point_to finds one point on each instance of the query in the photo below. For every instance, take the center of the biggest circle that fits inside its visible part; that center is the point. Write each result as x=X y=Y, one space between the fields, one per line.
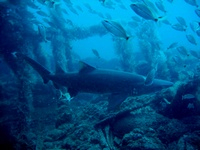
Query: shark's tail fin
x=39 y=68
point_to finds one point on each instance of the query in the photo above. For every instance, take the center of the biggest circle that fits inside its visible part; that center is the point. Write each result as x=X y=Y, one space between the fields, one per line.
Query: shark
x=88 y=79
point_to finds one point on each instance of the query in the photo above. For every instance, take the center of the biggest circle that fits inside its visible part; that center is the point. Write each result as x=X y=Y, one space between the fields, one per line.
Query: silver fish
x=192 y=2
x=195 y=54
x=96 y=53
x=115 y=28
x=144 y=11
x=166 y=22
x=41 y=13
x=173 y=45
x=73 y=10
x=181 y=20
x=191 y=39
x=182 y=50
x=150 y=76
x=87 y=5
x=194 y=26
x=160 y=6
x=188 y=96
x=178 y=27
x=151 y=6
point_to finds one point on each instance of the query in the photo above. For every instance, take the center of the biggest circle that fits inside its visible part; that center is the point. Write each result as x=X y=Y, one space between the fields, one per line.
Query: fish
x=144 y=11
x=191 y=39
x=150 y=76
x=188 y=96
x=96 y=53
x=182 y=21
x=73 y=10
x=150 y=5
x=198 y=32
x=166 y=22
x=192 y=2
x=87 y=5
x=195 y=54
x=194 y=26
x=182 y=50
x=160 y=6
x=64 y=11
x=115 y=28
x=173 y=45
x=42 y=32
x=41 y=13
x=177 y=59
x=197 y=11
x=98 y=81
x=178 y=27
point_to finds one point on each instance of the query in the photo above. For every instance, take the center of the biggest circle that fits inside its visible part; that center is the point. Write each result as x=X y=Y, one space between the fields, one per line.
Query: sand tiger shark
x=101 y=81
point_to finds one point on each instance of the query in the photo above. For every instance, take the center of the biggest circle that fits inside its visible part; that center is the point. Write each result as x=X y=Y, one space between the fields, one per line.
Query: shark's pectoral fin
x=115 y=99
x=72 y=92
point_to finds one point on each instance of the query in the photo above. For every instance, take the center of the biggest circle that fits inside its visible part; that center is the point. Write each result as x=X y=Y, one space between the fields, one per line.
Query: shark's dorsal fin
x=85 y=68
x=59 y=70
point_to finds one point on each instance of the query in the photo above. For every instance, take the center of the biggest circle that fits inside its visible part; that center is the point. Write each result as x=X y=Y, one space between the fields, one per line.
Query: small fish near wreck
x=179 y=27
x=173 y=45
x=182 y=50
x=96 y=53
x=160 y=6
x=150 y=76
x=182 y=21
x=144 y=11
x=192 y=2
x=191 y=39
x=115 y=28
